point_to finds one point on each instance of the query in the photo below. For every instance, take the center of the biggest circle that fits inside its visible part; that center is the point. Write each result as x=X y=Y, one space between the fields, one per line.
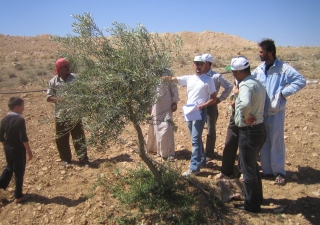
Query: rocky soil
x=70 y=195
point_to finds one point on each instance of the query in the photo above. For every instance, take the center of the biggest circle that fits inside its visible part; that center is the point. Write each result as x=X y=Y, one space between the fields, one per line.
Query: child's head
x=16 y=104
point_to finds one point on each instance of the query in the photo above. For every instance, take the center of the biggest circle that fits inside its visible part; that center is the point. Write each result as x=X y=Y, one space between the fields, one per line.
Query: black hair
x=268 y=45
x=15 y=101
x=246 y=70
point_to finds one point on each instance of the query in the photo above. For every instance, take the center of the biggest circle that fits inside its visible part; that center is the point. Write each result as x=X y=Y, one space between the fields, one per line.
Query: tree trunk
x=142 y=154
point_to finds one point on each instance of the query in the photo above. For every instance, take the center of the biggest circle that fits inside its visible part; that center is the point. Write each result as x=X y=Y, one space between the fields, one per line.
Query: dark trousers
x=251 y=140
x=16 y=163
x=212 y=116
x=63 y=131
x=229 y=153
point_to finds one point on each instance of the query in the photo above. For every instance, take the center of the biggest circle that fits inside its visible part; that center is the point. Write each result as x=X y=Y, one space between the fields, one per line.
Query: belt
x=251 y=127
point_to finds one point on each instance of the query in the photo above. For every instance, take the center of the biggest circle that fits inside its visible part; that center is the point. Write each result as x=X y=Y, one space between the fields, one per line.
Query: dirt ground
x=60 y=195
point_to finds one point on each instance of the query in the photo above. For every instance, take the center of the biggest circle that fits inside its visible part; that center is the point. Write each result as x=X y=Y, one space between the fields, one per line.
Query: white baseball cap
x=239 y=63
x=199 y=58
x=207 y=57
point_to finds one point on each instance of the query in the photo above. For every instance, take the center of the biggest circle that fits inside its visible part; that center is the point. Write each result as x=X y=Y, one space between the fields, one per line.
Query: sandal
x=171 y=158
x=280 y=180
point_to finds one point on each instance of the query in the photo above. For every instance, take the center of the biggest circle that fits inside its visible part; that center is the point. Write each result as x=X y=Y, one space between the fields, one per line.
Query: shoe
x=242 y=207
x=190 y=172
x=171 y=158
x=221 y=176
x=85 y=163
x=22 y=199
x=239 y=206
x=280 y=180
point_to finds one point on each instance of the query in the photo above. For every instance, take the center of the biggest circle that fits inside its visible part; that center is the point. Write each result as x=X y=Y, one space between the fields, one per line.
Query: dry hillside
x=60 y=195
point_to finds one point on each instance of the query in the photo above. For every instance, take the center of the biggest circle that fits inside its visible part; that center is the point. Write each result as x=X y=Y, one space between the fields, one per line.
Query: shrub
x=12 y=75
x=41 y=73
x=23 y=81
x=174 y=202
x=18 y=66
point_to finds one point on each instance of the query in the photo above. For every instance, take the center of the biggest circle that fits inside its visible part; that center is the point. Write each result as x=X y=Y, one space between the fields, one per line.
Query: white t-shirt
x=199 y=88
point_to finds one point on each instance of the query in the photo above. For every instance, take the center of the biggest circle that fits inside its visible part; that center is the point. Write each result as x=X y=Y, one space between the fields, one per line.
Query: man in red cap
x=63 y=75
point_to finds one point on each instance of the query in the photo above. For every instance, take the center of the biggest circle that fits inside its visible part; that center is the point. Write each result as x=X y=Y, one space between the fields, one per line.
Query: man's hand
x=201 y=107
x=169 y=79
x=30 y=155
x=174 y=106
x=251 y=120
x=235 y=89
x=232 y=102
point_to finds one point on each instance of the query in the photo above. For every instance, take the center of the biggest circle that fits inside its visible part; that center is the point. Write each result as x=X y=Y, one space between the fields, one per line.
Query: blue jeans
x=251 y=140
x=198 y=155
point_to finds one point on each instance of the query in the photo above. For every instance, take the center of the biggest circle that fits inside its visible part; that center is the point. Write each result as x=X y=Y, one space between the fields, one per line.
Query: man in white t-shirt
x=201 y=91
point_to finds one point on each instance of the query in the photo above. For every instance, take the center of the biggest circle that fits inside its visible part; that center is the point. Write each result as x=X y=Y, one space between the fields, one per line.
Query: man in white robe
x=160 y=135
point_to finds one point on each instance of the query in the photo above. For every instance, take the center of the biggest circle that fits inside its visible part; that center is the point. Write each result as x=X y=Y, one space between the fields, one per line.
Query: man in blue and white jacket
x=280 y=80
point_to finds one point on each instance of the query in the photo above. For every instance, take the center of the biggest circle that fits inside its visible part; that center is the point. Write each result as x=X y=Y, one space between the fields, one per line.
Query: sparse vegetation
x=181 y=60
x=18 y=66
x=12 y=75
x=174 y=202
x=23 y=81
x=219 y=63
x=317 y=56
x=60 y=195
x=298 y=65
x=41 y=73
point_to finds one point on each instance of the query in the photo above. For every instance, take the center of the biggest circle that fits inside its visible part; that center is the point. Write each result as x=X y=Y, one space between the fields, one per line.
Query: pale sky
x=287 y=22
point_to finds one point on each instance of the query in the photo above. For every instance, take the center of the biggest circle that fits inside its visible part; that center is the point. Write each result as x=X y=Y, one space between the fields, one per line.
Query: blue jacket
x=281 y=78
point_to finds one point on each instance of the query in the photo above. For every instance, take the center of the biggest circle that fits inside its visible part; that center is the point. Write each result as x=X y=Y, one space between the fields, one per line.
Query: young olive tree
x=118 y=76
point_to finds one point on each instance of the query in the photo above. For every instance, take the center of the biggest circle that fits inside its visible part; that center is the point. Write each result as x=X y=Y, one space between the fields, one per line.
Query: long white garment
x=281 y=78
x=160 y=135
